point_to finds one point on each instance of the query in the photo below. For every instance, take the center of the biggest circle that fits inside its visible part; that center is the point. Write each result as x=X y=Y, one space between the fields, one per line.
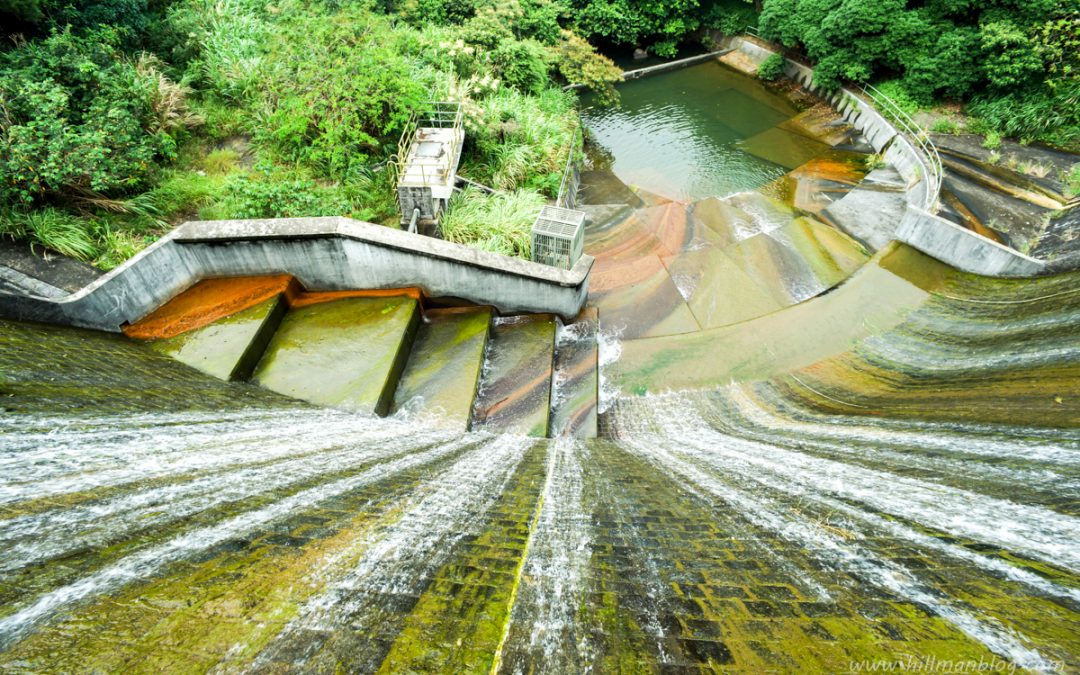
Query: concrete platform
x=433 y=159
x=229 y=348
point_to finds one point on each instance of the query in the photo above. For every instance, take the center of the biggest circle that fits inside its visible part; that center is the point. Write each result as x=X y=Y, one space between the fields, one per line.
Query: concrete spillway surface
x=811 y=460
x=795 y=522
x=345 y=353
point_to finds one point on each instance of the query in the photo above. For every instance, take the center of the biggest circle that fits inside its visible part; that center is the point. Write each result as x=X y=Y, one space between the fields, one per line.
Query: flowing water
x=888 y=474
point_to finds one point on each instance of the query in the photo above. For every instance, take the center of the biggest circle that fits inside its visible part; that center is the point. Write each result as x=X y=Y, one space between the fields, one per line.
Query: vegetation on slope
x=1016 y=63
x=120 y=118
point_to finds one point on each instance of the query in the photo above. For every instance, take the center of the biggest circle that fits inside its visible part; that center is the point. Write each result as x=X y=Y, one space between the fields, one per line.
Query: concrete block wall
x=919 y=227
x=325 y=254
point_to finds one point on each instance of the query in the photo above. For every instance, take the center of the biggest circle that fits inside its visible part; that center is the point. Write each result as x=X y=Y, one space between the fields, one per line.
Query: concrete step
x=346 y=353
x=871 y=211
x=576 y=389
x=231 y=347
x=1011 y=221
x=515 y=389
x=1031 y=167
x=440 y=378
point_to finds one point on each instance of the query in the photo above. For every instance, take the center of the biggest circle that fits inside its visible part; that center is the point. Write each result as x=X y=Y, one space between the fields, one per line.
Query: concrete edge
x=957 y=246
x=211 y=231
x=672 y=65
x=329 y=253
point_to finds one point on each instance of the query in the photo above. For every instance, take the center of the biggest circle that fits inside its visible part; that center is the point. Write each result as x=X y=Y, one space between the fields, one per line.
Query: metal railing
x=930 y=158
x=571 y=179
x=434 y=115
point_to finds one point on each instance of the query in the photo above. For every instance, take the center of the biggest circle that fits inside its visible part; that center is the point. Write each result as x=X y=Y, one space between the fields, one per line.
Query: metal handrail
x=436 y=115
x=568 y=176
x=920 y=140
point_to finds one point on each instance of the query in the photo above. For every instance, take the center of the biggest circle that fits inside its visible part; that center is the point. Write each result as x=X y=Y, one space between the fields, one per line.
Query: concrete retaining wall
x=953 y=244
x=950 y=243
x=325 y=254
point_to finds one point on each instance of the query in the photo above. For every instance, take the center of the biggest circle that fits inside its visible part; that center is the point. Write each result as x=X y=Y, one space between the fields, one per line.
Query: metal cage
x=558 y=237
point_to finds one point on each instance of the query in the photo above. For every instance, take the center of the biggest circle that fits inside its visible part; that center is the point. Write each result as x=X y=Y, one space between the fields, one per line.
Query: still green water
x=692 y=133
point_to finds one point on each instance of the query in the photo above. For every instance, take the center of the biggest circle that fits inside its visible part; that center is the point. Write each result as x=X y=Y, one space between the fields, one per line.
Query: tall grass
x=523 y=138
x=501 y=223
x=60 y=231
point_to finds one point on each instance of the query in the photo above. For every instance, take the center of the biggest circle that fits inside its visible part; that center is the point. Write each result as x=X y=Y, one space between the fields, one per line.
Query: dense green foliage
x=119 y=118
x=500 y=223
x=659 y=25
x=1017 y=60
x=771 y=68
x=81 y=119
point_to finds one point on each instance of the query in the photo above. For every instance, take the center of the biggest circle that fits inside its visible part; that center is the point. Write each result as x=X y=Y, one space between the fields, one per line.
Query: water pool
x=702 y=131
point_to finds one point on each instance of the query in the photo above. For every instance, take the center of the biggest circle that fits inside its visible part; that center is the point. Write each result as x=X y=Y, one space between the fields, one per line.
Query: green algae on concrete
x=873 y=300
x=229 y=348
x=55 y=368
x=937 y=363
x=515 y=395
x=345 y=353
x=443 y=370
x=457 y=624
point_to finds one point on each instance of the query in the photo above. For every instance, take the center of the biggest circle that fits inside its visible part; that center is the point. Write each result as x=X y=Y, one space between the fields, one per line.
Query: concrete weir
x=325 y=254
x=911 y=218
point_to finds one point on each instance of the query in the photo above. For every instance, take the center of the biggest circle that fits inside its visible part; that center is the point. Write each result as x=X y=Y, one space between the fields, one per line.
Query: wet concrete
x=744 y=530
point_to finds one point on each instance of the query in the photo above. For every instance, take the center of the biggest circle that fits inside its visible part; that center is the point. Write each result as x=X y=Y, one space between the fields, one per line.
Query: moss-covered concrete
x=346 y=353
x=443 y=369
x=230 y=347
x=515 y=395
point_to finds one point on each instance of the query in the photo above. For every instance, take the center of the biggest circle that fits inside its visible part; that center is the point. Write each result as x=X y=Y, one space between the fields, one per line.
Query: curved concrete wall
x=325 y=254
x=919 y=227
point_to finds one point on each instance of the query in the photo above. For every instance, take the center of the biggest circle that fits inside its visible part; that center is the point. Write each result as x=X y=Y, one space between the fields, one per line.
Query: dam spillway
x=877 y=464
x=842 y=511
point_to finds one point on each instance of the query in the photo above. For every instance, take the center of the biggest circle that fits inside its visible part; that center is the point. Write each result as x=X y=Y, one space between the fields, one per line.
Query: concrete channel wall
x=325 y=254
x=919 y=227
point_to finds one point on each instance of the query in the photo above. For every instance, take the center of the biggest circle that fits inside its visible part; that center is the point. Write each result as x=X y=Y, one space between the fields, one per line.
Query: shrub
x=579 y=63
x=266 y=195
x=115 y=245
x=661 y=23
x=945 y=126
x=771 y=68
x=898 y=94
x=520 y=136
x=522 y=65
x=1072 y=181
x=57 y=230
x=223 y=44
x=1048 y=116
x=730 y=17
x=183 y=193
x=81 y=120
x=340 y=91
x=221 y=161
